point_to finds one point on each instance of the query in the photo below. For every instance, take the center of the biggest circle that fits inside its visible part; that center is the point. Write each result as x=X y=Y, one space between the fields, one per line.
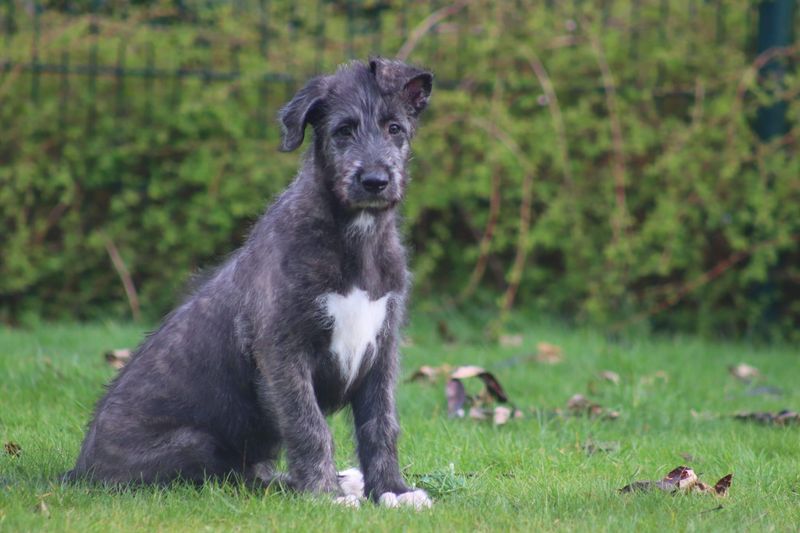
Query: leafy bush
x=592 y=162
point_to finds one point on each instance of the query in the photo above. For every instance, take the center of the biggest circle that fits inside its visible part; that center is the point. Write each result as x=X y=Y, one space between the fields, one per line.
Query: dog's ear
x=301 y=110
x=417 y=91
x=414 y=84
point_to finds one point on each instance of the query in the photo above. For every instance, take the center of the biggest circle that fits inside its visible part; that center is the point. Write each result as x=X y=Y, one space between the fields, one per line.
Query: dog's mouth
x=376 y=204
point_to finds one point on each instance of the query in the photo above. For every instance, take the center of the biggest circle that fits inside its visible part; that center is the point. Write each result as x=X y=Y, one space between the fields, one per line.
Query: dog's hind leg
x=157 y=456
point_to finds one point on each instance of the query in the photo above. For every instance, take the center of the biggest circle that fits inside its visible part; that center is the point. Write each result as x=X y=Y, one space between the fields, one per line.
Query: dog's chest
x=355 y=321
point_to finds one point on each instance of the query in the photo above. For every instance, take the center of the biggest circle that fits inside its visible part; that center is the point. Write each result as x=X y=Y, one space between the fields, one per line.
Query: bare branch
x=124 y=276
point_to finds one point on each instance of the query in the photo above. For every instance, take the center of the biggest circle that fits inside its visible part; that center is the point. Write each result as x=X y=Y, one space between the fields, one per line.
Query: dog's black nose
x=374 y=181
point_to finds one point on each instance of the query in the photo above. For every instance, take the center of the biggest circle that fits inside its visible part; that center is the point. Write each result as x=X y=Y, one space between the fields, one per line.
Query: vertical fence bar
x=320 y=30
x=177 y=83
x=263 y=33
x=350 y=30
x=119 y=74
x=94 y=30
x=721 y=30
x=35 y=65
x=291 y=29
x=263 y=96
x=376 y=27
x=64 y=89
x=461 y=41
x=263 y=89
x=149 y=78
x=11 y=22
x=775 y=20
x=633 y=50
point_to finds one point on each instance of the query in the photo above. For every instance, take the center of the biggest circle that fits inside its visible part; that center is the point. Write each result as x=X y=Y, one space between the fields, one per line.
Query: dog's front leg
x=377 y=429
x=290 y=399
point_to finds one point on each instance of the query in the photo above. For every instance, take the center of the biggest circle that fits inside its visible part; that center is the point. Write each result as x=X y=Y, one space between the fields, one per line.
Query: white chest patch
x=356 y=323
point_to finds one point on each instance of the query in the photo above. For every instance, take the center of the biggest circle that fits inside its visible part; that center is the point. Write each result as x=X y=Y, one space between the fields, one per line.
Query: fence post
x=775 y=21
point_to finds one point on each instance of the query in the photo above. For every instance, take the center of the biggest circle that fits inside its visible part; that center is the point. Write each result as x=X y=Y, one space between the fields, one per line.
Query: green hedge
x=639 y=195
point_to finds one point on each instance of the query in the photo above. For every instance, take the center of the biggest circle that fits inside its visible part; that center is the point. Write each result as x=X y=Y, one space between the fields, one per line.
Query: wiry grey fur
x=243 y=368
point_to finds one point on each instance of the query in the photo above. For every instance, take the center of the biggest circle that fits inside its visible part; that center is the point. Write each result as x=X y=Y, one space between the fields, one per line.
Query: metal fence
x=283 y=41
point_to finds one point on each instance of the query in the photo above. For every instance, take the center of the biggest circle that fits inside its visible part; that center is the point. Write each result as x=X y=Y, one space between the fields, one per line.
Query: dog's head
x=364 y=117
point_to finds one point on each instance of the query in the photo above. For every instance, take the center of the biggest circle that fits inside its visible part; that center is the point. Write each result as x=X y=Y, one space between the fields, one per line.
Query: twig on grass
x=124 y=276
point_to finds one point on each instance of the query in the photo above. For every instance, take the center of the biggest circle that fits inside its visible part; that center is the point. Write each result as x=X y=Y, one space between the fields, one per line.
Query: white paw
x=418 y=499
x=348 y=501
x=351 y=482
x=388 y=499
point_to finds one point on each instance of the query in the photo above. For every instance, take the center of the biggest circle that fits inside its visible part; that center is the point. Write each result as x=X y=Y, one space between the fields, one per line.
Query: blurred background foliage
x=596 y=161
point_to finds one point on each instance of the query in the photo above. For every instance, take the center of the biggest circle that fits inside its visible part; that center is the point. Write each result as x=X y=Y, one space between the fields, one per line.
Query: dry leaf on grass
x=744 y=372
x=498 y=415
x=579 y=405
x=12 y=448
x=609 y=375
x=429 y=374
x=549 y=354
x=42 y=509
x=493 y=386
x=510 y=341
x=546 y=353
x=479 y=405
x=781 y=418
x=681 y=479
x=658 y=375
x=118 y=358
x=456 y=398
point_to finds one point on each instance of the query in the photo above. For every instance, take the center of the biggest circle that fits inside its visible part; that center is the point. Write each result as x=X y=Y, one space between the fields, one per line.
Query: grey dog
x=302 y=320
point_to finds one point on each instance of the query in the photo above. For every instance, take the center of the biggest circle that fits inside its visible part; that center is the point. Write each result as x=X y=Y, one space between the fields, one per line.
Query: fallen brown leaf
x=468 y=371
x=658 y=375
x=549 y=354
x=493 y=386
x=42 y=509
x=744 y=372
x=499 y=415
x=781 y=418
x=681 y=479
x=510 y=341
x=479 y=405
x=722 y=486
x=579 y=405
x=456 y=397
x=609 y=375
x=429 y=374
x=118 y=358
x=12 y=448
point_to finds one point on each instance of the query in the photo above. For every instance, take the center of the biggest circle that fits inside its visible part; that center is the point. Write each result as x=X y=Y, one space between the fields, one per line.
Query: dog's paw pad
x=418 y=499
x=351 y=482
x=388 y=499
x=348 y=501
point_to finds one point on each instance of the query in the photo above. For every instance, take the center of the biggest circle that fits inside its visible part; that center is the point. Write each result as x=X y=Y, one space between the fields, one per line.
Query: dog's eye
x=344 y=131
x=395 y=129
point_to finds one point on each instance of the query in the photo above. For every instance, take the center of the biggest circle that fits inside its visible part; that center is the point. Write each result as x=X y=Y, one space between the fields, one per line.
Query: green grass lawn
x=531 y=474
